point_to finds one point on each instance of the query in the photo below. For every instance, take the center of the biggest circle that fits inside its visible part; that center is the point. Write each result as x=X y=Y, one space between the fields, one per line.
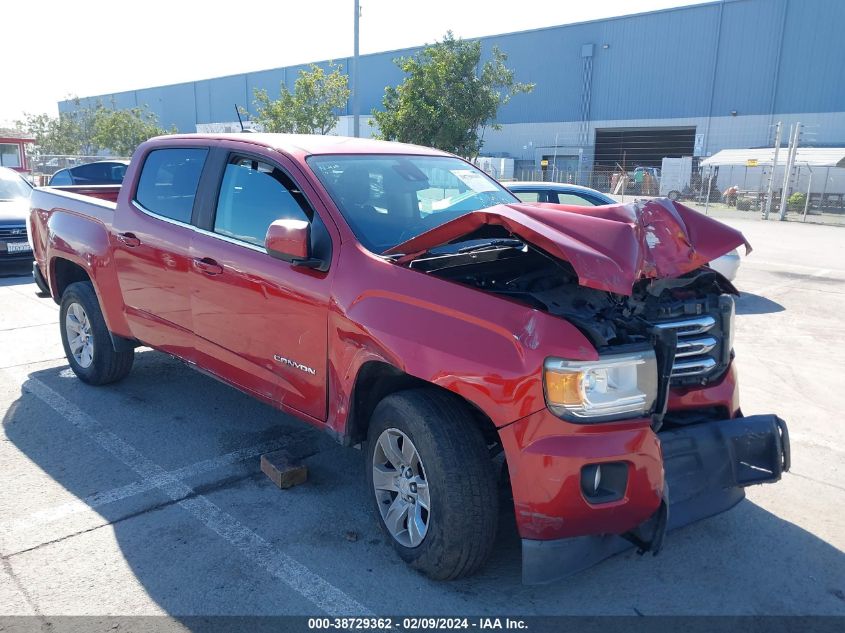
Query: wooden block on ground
x=283 y=470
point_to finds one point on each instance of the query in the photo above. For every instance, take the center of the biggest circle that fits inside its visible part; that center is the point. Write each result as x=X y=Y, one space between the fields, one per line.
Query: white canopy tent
x=763 y=157
x=819 y=171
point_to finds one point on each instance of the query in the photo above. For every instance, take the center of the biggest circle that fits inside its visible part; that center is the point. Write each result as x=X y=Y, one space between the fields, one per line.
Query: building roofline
x=412 y=49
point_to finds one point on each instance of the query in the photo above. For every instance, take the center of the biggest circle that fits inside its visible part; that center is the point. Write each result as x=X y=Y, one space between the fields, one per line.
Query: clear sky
x=88 y=47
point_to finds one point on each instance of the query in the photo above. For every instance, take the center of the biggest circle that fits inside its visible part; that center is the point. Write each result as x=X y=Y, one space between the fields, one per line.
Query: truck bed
x=95 y=201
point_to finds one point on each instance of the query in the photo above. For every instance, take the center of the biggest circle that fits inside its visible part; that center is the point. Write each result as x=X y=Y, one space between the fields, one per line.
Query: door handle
x=129 y=239
x=208 y=266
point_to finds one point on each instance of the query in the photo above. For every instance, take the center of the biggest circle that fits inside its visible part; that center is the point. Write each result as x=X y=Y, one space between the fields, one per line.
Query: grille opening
x=698 y=357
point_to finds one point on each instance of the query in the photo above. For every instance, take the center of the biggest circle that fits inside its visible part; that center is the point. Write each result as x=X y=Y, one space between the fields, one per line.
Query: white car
x=561 y=193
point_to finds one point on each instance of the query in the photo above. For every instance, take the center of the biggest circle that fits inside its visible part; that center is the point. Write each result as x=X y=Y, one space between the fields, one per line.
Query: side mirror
x=290 y=240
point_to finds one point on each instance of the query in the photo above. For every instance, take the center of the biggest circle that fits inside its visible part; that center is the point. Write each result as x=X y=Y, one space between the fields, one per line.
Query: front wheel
x=86 y=339
x=433 y=482
x=674 y=195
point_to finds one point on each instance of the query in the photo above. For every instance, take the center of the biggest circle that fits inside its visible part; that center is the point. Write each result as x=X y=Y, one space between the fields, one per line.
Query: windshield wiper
x=498 y=243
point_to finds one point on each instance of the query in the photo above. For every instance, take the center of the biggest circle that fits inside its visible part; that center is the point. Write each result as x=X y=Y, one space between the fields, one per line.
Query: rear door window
x=169 y=180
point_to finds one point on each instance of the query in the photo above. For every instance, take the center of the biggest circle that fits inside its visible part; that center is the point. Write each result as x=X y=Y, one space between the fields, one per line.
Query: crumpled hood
x=609 y=247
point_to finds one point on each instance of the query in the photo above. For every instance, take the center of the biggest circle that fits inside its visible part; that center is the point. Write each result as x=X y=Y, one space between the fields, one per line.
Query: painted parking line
x=253 y=547
x=96 y=500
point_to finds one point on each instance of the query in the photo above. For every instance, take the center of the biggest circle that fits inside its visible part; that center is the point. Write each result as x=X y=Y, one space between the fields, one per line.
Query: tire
x=80 y=313
x=674 y=195
x=457 y=472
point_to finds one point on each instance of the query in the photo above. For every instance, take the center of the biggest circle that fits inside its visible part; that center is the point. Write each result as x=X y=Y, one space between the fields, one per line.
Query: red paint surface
x=103 y=192
x=231 y=309
x=545 y=455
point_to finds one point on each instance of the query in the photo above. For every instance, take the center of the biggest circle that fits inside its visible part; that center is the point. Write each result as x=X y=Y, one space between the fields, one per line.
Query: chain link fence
x=631 y=164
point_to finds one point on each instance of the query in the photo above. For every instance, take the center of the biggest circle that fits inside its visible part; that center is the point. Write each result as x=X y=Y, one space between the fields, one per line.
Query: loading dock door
x=645 y=147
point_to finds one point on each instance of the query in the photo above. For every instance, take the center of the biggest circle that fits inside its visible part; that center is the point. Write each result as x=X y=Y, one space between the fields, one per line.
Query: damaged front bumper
x=706 y=467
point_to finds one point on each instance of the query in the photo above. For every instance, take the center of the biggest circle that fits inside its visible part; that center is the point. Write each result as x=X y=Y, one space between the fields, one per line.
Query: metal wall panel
x=657 y=65
x=812 y=60
x=749 y=42
x=224 y=93
x=700 y=61
x=269 y=80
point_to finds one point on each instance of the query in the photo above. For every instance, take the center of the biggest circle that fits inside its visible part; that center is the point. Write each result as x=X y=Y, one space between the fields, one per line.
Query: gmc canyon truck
x=400 y=299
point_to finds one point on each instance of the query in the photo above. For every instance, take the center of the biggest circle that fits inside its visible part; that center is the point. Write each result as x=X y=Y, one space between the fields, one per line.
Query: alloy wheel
x=401 y=488
x=79 y=337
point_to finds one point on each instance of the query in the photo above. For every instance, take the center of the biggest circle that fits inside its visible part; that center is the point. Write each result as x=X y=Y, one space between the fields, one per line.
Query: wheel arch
x=376 y=380
x=63 y=273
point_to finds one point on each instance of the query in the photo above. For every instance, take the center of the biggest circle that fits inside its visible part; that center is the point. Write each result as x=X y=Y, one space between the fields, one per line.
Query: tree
x=88 y=130
x=121 y=131
x=64 y=134
x=311 y=108
x=445 y=101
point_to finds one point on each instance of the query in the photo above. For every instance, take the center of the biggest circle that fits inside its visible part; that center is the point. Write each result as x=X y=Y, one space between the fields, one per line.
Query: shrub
x=796 y=201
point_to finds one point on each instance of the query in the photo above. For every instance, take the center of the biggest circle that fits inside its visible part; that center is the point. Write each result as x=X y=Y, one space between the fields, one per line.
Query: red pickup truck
x=402 y=300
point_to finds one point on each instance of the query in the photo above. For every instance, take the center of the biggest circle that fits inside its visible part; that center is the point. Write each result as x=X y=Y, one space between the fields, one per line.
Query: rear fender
x=85 y=242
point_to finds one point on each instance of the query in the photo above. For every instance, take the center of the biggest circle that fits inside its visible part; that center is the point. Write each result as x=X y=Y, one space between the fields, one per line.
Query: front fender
x=487 y=349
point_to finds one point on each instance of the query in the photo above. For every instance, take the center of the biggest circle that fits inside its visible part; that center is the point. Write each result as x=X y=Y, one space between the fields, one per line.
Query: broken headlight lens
x=614 y=387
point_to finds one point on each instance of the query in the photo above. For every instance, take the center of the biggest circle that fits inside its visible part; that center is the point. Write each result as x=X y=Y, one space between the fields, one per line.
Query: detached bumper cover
x=706 y=468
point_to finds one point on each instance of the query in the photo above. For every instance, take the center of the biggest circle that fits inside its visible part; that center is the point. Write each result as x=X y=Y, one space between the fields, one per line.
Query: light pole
x=356 y=104
x=770 y=190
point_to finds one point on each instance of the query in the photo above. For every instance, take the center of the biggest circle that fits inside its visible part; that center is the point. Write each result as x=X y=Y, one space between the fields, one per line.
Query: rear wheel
x=433 y=482
x=86 y=339
x=674 y=195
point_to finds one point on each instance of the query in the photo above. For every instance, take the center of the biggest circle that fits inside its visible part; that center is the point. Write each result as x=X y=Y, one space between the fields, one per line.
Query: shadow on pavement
x=749 y=303
x=13 y=273
x=745 y=561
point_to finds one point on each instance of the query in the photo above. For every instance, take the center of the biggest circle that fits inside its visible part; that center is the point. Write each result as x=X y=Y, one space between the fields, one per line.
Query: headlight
x=615 y=386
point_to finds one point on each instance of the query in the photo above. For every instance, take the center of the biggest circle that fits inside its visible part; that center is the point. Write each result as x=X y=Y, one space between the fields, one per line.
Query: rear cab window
x=168 y=183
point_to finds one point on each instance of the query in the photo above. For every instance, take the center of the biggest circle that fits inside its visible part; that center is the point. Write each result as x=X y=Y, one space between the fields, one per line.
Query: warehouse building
x=629 y=90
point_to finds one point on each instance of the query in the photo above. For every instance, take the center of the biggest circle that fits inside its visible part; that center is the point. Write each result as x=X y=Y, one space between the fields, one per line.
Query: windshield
x=12 y=186
x=388 y=199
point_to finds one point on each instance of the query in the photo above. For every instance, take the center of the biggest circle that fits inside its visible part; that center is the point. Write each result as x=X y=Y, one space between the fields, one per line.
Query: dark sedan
x=14 y=208
x=103 y=172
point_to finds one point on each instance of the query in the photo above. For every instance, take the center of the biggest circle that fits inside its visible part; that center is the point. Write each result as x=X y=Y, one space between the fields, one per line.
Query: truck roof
x=309 y=144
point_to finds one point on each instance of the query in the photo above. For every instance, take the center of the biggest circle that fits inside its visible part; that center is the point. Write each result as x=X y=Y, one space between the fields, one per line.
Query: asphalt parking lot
x=146 y=497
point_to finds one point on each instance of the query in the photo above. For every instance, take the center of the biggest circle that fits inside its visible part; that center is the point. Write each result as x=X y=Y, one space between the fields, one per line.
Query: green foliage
x=311 y=108
x=444 y=101
x=796 y=201
x=88 y=130
x=69 y=133
x=121 y=131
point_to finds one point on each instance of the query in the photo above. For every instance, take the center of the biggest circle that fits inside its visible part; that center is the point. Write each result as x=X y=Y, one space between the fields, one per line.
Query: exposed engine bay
x=696 y=307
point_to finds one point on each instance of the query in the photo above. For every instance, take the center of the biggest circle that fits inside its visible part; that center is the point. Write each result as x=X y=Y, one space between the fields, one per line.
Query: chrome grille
x=697 y=351
x=12 y=233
